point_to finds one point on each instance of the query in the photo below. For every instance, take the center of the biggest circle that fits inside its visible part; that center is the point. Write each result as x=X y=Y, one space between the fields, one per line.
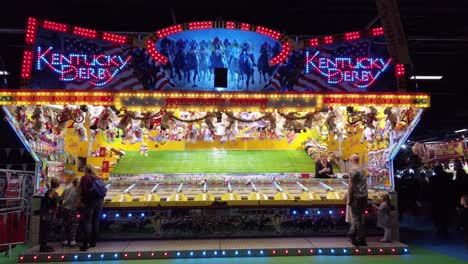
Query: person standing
x=357 y=201
x=323 y=168
x=70 y=200
x=93 y=191
x=48 y=214
x=384 y=217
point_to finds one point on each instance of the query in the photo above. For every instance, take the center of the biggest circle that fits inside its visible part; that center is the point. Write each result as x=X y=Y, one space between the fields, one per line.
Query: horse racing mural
x=68 y=61
x=193 y=56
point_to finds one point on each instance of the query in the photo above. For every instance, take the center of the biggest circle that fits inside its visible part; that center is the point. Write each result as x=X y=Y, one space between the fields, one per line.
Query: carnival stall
x=187 y=155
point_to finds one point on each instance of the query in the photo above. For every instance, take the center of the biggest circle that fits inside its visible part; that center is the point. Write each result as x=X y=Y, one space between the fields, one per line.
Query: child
x=464 y=217
x=384 y=219
x=70 y=222
x=49 y=205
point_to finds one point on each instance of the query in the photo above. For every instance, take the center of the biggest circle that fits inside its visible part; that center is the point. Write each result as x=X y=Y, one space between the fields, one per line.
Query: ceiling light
x=461 y=130
x=426 y=77
x=3 y=73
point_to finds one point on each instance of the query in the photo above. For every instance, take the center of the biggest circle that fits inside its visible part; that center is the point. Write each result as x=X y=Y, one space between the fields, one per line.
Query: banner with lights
x=211 y=101
x=205 y=56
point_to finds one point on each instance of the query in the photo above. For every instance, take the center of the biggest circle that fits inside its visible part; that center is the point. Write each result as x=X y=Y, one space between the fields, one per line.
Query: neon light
x=89 y=33
x=54 y=26
x=99 y=69
x=328 y=40
x=230 y=25
x=31 y=29
x=314 y=42
x=377 y=31
x=114 y=38
x=360 y=72
x=27 y=64
x=268 y=32
x=150 y=46
x=282 y=55
x=169 y=31
x=245 y=26
x=200 y=25
x=399 y=70
x=352 y=35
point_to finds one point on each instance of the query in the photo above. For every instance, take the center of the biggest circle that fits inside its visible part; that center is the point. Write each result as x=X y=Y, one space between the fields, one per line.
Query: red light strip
x=89 y=33
x=114 y=38
x=31 y=29
x=27 y=64
x=268 y=32
x=200 y=25
x=169 y=31
x=150 y=46
x=352 y=35
x=314 y=42
x=55 y=26
x=328 y=40
x=377 y=31
x=230 y=25
x=286 y=48
x=245 y=26
x=400 y=70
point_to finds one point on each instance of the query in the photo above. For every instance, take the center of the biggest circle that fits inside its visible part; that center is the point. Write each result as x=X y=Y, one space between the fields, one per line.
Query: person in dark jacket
x=90 y=209
x=48 y=211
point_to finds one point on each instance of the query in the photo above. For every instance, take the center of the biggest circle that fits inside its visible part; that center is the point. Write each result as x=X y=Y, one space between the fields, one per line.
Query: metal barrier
x=15 y=214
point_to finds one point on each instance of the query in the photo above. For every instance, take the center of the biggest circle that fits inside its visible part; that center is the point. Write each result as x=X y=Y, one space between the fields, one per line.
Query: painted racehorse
x=179 y=59
x=167 y=46
x=246 y=67
x=204 y=61
x=192 y=62
x=264 y=67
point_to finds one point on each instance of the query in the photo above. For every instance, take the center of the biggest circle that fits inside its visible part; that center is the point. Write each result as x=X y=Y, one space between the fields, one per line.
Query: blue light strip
x=13 y=124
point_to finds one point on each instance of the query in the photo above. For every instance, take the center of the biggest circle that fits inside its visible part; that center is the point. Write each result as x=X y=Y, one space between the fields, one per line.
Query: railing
x=14 y=221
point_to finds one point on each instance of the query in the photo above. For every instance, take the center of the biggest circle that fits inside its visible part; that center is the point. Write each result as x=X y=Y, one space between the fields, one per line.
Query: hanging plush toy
x=271 y=122
x=103 y=119
x=391 y=118
x=38 y=117
x=209 y=121
x=137 y=134
x=193 y=134
x=330 y=120
x=81 y=132
x=20 y=115
x=353 y=120
x=165 y=120
x=125 y=121
x=146 y=120
x=207 y=134
x=110 y=134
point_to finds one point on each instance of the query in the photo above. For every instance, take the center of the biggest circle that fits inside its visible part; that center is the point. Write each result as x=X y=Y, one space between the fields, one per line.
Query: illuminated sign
x=359 y=72
x=98 y=69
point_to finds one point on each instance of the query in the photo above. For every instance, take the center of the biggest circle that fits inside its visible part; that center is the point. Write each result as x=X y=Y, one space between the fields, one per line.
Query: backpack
x=98 y=189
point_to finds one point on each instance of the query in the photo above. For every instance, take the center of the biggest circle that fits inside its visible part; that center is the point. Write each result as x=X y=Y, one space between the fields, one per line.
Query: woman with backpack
x=93 y=191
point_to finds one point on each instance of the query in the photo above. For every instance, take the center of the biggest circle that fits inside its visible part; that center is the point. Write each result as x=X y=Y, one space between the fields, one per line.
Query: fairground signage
x=98 y=69
x=359 y=72
x=188 y=57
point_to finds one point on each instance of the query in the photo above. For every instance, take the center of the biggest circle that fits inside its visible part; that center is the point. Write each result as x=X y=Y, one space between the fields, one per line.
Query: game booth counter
x=213 y=129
